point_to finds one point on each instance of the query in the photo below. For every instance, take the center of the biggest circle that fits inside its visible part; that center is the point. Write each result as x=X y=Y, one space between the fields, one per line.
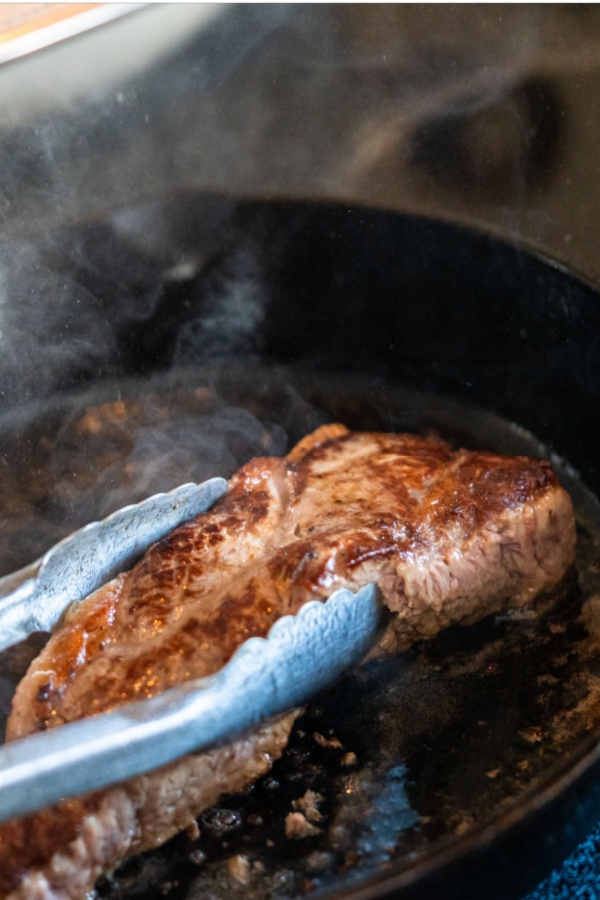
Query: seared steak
x=449 y=536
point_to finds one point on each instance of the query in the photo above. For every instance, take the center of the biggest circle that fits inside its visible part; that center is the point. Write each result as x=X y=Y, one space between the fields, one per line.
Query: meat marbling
x=449 y=536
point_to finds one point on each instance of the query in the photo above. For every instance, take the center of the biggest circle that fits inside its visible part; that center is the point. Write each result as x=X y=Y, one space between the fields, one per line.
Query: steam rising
x=114 y=454
x=277 y=100
x=286 y=100
x=274 y=100
x=232 y=314
x=103 y=306
x=155 y=448
x=50 y=326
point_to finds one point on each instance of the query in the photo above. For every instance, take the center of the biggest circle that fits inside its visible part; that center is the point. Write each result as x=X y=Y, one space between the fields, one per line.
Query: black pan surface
x=464 y=768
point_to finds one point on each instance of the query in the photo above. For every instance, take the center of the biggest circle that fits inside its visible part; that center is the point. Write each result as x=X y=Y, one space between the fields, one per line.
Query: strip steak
x=449 y=536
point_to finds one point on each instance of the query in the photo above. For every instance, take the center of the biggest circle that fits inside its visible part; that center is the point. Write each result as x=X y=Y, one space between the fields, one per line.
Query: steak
x=449 y=536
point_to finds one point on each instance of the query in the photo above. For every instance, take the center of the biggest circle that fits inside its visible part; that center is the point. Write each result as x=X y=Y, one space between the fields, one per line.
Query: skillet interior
x=402 y=324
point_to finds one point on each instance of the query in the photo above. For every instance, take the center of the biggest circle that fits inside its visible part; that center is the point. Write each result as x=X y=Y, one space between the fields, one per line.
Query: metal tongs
x=266 y=676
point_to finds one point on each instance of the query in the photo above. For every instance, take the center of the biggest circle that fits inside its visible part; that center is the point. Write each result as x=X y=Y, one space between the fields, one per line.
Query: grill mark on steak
x=448 y=536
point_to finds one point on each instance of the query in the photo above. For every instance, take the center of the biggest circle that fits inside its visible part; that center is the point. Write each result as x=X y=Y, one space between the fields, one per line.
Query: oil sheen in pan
x=401 y=756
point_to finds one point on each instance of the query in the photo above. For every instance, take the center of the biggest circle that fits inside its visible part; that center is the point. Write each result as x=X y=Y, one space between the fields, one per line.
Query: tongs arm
x=34 y=598
x=265 y=677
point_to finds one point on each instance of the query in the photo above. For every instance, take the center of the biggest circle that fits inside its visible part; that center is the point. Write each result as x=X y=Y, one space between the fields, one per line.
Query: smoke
x=232 y=312
x=310 y=101
x=105 y=459
x=50 y=326
x=284 y=99
x=74 y=459
x=126 y=452
x=276 y=100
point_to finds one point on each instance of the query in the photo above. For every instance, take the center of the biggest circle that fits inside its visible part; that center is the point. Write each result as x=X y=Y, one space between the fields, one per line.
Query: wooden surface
x=17 y=19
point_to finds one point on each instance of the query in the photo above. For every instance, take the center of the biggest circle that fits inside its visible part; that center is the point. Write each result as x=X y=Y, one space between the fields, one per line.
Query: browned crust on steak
x=449 y=536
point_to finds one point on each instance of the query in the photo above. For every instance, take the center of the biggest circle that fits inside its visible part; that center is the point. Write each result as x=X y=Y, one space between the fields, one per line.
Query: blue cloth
x=579 y=876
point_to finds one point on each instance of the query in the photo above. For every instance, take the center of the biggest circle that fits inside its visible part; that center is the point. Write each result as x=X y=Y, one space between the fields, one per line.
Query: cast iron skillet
x=206 y=331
